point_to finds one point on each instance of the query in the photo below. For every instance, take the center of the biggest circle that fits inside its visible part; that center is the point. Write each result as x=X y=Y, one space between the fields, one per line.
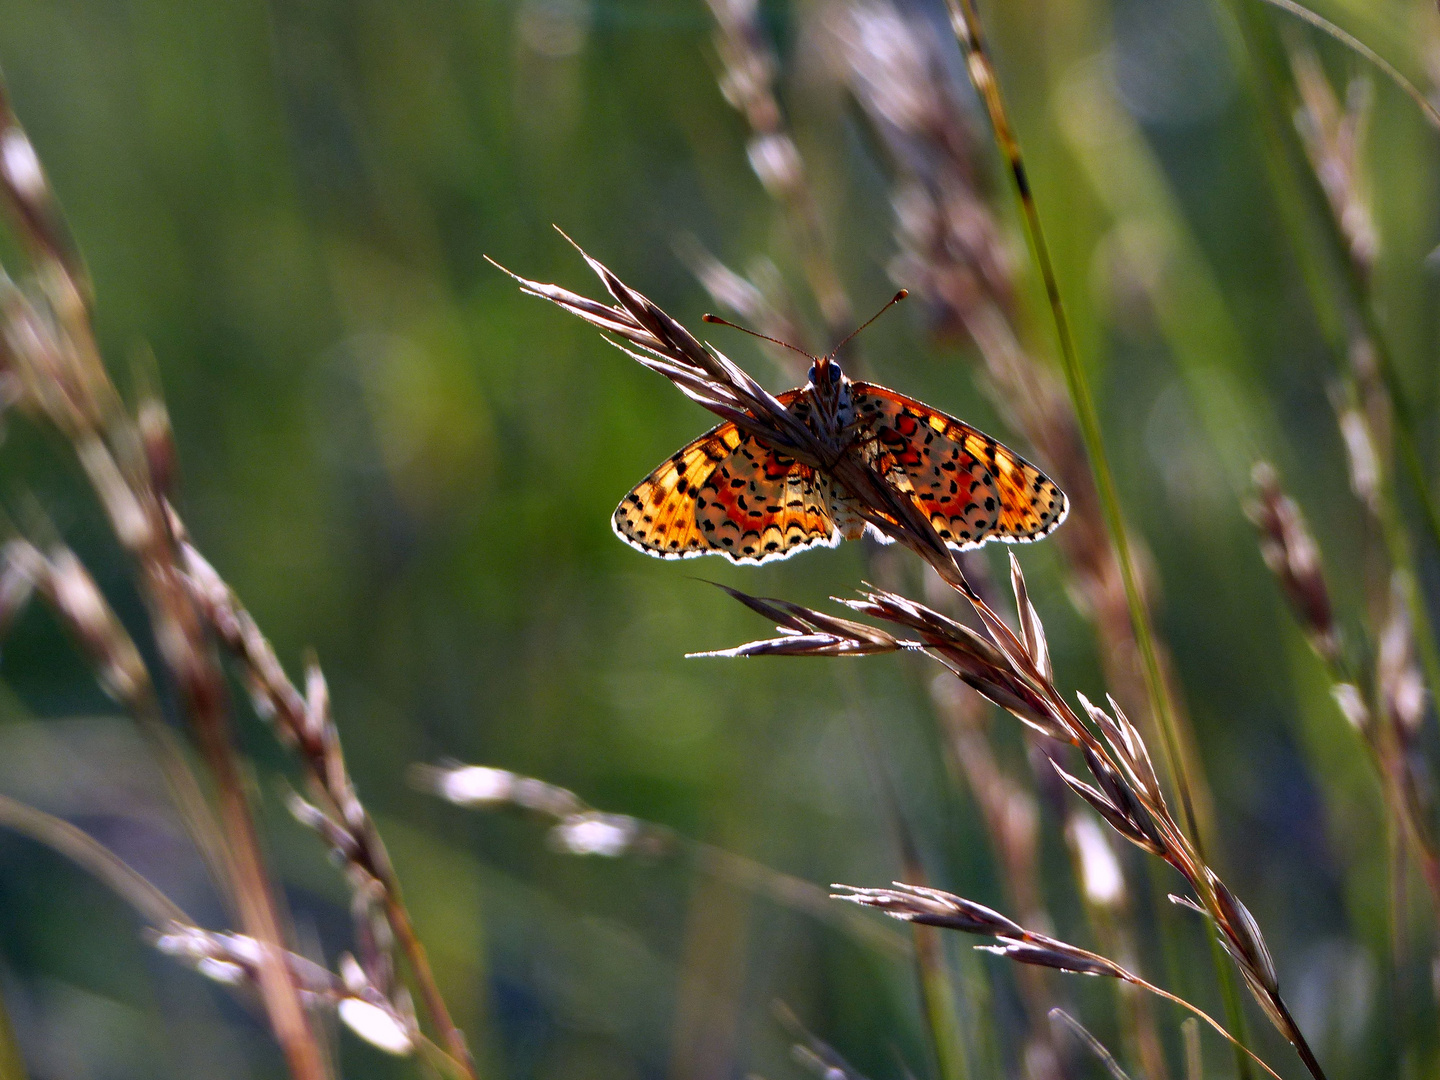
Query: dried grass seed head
x=1293 y=557
x=932 y=907
x=1397 y=672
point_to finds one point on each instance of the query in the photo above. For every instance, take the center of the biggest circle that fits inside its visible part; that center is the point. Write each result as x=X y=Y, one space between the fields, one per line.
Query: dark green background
x=397 y=459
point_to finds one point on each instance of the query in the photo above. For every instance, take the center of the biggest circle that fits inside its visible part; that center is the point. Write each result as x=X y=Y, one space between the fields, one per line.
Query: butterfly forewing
x=973 y=488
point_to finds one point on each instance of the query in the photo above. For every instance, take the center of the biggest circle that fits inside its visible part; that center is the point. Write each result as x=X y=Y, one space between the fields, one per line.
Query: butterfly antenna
x=891 y=303
x=755 y=333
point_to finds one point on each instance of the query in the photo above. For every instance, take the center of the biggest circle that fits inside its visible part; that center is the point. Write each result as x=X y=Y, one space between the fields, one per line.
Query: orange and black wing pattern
x=973 y=488
x=727 y=494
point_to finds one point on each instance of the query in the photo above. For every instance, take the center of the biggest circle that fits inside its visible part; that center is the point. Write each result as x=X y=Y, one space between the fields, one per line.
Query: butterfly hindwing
x=759 y=505
x=658 y=516
x=973 y=488
x=726 y=494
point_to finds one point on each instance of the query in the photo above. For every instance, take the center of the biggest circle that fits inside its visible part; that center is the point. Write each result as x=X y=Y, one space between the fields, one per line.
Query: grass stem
x=938 y=998
x=966 y=23
x=965 y=20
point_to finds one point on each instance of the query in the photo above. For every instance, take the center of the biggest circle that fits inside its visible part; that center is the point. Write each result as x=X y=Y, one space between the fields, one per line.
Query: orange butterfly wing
x=727 y=494
x=973 y=488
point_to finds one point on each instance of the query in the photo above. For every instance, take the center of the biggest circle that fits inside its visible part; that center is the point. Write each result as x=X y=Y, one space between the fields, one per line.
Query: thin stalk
x=1236 y=1043
x=934 y=908
x=200 y=689
x=1091 y=1043
x=255 y=898
x=442 y=1062
x=788 y=891
x=374 y=859
x=96 y=859
x=1280 y=139
x=317 y=742
x=418 y=959
x=965 y=21
x=1301 y=1047
x=790 y=188
x=1234 y=1005
x=1320 y=245
x=1318 y=239
x=1350 y=41
x=938 y=998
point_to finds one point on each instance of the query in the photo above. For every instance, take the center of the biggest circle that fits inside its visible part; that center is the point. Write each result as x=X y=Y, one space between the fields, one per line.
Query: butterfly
x=728 y=493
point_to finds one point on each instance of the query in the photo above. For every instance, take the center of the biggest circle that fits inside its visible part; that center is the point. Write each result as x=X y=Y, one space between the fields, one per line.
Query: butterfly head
x=829 y=387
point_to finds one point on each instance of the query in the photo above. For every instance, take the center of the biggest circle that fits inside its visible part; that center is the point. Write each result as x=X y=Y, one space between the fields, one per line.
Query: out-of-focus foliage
x=397 y=459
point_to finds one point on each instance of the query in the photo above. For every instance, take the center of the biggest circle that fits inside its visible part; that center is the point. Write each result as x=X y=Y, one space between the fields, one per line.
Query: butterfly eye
x=834 y=372
x=811 y=376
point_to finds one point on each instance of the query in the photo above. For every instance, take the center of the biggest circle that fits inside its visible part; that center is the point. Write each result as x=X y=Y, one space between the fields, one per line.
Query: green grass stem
x=937 y=995
x=966 y=24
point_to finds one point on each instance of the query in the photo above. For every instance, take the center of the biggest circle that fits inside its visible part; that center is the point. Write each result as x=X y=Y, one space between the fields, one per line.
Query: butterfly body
x=727 y=493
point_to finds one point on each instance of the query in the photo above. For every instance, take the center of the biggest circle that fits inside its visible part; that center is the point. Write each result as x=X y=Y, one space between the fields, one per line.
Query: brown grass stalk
x=51 y=352
x=233 y=960
x=1125 y=792
x=748 y=78
x=62 y=581
x=954 y=256
x=305 y=724
x=1386 y=704
x=53 y=371
x=1011 y=812
x=744 y=48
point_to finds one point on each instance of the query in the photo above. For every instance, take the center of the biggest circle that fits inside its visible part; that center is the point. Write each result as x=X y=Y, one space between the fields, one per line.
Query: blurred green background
x=397 y=459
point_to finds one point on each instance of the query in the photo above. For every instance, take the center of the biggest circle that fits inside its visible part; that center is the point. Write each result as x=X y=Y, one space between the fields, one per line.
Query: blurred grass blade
x=12 y=1065
x=1350 y=41
x=1194 y=1062
x=937 y=992
x=93 y=857
x=1063 y=1019
x=1334 y=280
